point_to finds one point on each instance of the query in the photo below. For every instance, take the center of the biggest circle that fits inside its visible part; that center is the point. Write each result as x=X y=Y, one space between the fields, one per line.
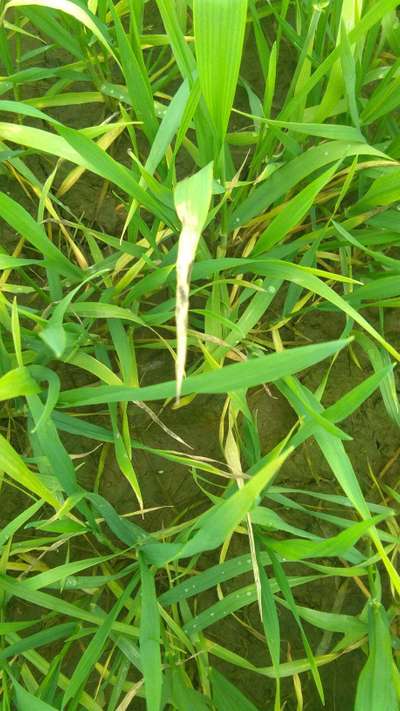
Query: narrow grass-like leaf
x=11 y=528
x=150 y=639
x=39 y=639
x=27 y=701
x=88 y=309
x=74 y=9
x=219 y=54
x=333 y=132
x=336 y=546
x=263 y=369
x=226 y=696
x=62 y=572
x=283 y=583
x=295 y=170
x=375 y=689
x=95 y=646
x=293 y=213
x=137 y=82
x=17 y=382
x=62 y=607
x=182 y=53
x=237 y=600
x=388 y=389
x=81 y=150
x=20 y=220
x=271 y=625
x=13 y=465
x=192 y=201
x=220 y=522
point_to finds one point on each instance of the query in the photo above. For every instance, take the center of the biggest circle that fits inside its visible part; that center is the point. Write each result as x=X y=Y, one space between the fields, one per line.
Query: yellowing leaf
x=192 y=202
x=17 y=382
x=15 y=467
